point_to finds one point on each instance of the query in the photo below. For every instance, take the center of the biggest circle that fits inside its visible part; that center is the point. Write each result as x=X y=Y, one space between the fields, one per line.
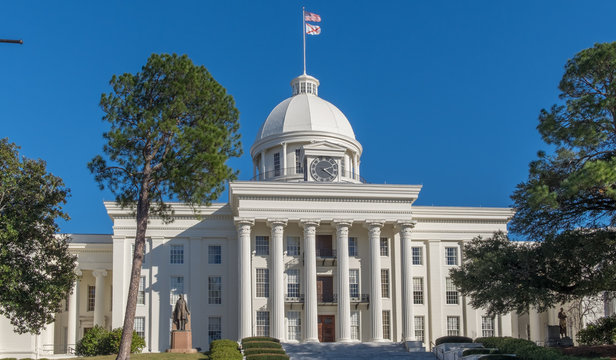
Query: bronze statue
x=180 y=313
x=562 y=323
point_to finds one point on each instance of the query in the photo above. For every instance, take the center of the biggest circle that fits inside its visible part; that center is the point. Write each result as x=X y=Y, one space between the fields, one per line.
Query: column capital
x=99 y=272
x=78 y=272
x=309 y=222
x=343 y=222
x=244 y=221
x=371 y=224
x=405 y=225
x=276 y=222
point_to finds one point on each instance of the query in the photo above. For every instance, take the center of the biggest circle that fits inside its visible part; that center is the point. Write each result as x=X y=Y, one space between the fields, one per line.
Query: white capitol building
x=305 y=252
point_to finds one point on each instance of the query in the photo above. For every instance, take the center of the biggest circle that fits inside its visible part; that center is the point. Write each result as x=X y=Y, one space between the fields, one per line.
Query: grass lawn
x=155 y=356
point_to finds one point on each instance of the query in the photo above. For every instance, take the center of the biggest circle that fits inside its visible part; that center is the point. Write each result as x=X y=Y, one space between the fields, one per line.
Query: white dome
x=305 y=112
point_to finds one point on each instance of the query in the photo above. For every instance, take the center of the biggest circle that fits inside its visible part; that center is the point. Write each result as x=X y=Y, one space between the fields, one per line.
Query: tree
x=567 y=206
x=36 y=269
x=173 y=127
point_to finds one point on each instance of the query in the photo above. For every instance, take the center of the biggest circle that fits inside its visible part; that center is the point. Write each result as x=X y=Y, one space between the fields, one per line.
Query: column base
x=380 y=340
x=313 y=340
x=345 y=340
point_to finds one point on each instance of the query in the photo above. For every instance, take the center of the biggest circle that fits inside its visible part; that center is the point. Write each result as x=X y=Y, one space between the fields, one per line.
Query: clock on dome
x=324 y=169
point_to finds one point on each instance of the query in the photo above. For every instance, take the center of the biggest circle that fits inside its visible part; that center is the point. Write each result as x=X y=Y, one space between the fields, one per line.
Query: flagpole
x=304 y=35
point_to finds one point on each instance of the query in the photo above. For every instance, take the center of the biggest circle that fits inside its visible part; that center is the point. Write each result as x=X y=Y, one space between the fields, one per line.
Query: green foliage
x=567 y=207
x=260 y=338
x=261 y=345
x=224 y=350
x=479 y=351
x=452 y=340
x=599 y=332
x=99 y=341
x=524 y=349
x=267 y=357
x=253 y=351
x=36 y=269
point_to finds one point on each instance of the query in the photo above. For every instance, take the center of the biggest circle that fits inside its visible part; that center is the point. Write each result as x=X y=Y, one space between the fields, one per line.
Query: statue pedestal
x=181 y=342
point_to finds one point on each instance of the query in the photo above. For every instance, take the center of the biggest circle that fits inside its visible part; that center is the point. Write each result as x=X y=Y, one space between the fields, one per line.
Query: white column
x=376 y=307
x=284 y=158
x=406 y=229
x=344 y=297
x=47 y=340
x=357 y=166
x=243 y=275
x=310 y=269
x=99 y=297
x=262 y=165
x=276 y=274
x=71 y=333
x=534 y=320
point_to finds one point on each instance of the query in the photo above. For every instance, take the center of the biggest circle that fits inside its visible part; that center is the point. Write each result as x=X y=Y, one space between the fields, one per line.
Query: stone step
x=360 y=351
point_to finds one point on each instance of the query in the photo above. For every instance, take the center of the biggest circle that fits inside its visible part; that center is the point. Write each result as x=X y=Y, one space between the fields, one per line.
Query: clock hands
x=329 y=172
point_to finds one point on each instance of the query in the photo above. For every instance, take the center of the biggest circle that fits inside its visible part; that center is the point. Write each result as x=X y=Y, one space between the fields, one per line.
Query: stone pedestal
x=181 y=342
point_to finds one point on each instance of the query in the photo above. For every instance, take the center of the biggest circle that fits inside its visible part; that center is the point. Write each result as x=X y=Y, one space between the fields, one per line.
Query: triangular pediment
x=324 y=145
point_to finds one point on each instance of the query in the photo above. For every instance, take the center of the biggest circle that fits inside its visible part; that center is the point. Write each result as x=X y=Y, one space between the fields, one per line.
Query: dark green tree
x=36 y=269
x=172 y=129
x=567 y=207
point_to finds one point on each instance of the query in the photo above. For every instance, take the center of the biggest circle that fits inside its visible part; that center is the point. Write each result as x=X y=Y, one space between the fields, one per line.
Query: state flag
x=313 y=29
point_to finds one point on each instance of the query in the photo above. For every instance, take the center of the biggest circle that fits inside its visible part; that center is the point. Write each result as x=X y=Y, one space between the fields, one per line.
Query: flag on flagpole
x=313 y=29
x=308 y=16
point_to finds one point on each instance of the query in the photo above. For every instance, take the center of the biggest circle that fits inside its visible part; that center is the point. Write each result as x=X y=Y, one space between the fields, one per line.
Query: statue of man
x=180 y=313
x=562 y=323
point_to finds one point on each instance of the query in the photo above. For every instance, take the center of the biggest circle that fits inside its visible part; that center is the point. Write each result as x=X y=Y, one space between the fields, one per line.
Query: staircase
x=359 y=351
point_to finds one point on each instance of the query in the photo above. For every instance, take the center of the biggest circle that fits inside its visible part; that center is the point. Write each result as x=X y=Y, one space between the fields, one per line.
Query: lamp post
x=11 y=41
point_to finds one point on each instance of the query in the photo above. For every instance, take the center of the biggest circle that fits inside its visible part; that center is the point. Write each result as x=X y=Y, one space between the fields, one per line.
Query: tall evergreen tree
x=173 y=127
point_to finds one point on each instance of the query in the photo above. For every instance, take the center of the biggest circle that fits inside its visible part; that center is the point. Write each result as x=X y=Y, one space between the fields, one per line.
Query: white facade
x=307 y=252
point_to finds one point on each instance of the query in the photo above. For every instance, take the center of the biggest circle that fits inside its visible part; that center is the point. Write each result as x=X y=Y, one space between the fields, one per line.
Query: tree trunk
x=143 y=208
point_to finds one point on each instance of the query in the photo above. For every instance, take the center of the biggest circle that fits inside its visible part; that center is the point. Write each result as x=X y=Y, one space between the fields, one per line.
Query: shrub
x=476 y=351
x=261 y=345
x=224 y=343
x=268 y=357
x=452 y=339
x=524 y=349
x=497 y=357
x=99 y=341
x=255 y=351
x=260 y=338
x=224 y=350
x=599 y=332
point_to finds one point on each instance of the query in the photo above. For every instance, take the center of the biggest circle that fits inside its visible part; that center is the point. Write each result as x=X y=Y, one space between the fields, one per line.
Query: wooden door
x=327 y=328
x=325 y=289
x=324 y=245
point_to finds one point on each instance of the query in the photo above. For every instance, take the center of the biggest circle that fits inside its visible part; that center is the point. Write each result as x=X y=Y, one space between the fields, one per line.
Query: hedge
x=224 y=343
x=254 y=351
x=261 y=345
x=476 y=351
x=225 y=350
x=452 y=340
x=524 y=349
x=267 y=357
x=260 y=338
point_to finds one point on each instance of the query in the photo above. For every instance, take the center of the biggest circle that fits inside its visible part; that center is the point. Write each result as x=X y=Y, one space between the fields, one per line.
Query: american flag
x=313 y=29
x=308 y=16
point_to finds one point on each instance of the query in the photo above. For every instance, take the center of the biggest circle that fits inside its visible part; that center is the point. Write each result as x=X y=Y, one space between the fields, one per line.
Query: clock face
x=324 y=169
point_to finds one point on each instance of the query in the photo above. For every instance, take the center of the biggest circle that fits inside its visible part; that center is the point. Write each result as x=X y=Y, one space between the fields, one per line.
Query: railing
x=326 y=253
x=275 y=175
x=294 y=299
x=361 y=298
x=327 y=299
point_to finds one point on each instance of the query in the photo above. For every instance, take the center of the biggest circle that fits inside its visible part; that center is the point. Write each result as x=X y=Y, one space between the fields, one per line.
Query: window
x=453 y=326
x=487 y=326
x=214 y=328
x=294 y=325
x=354 y=283
x=355 y=325
x=214 y=289
x=384 y=247
x=292 y=245
x=262 y=323
x=451 y=255
x=386 y=325
x=177 y=288
x=176 y=254
x=91 y=297
x=141 y=292
x=417 y=256
x=293 y=283
x=140 y=326
x=262 y=282
x=420 y=334
x=277 y=164
x=352 y=246
x=343 y=166
x=385 y=283
x=298 y=162
x=451 y=292
x=214 y=254
x=418 y=291
x=262 y=245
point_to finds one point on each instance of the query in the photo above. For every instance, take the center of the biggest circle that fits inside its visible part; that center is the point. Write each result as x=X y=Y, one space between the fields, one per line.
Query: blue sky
x=440 y=93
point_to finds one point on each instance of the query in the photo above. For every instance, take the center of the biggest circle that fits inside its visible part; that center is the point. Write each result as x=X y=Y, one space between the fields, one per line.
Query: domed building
x=305 y=252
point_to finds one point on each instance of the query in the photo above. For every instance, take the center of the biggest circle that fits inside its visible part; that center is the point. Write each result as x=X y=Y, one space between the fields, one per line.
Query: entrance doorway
x=325 y=289
x=327 y=328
